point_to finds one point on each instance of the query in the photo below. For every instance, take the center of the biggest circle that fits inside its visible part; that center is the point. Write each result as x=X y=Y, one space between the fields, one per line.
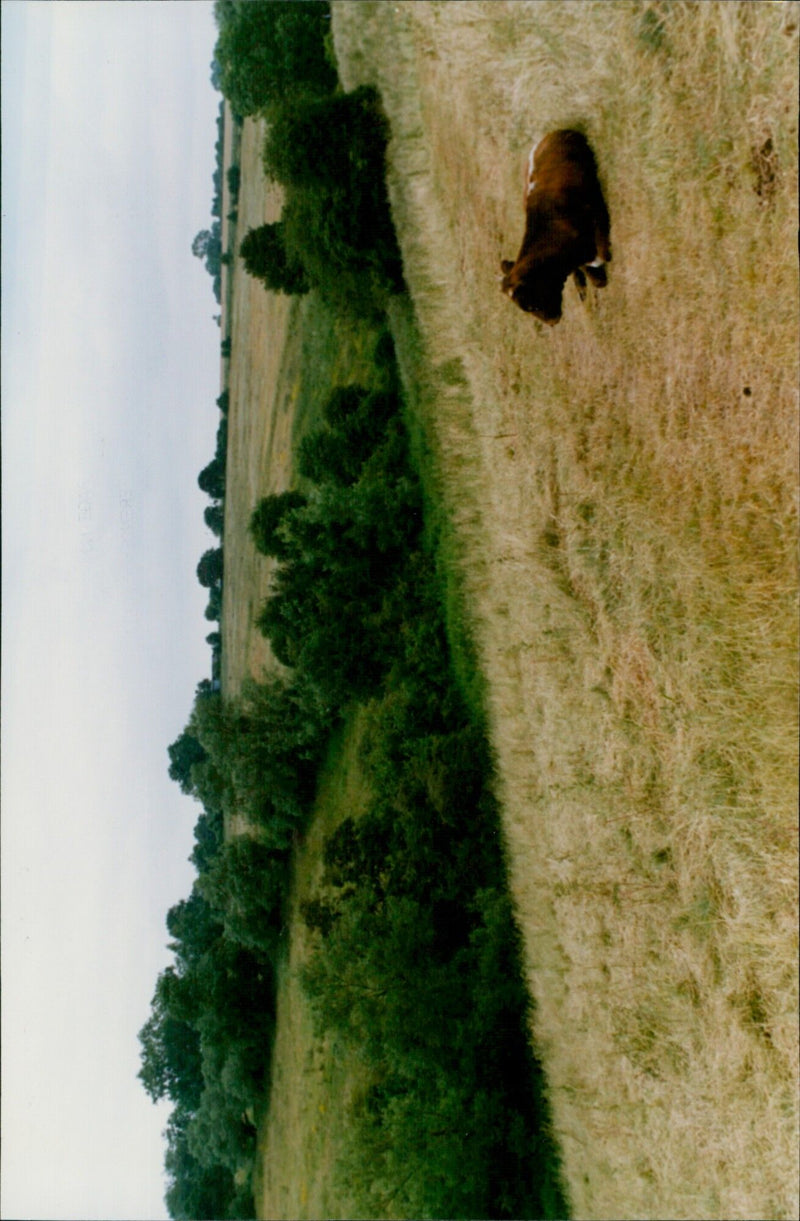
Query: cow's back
x=563 y=162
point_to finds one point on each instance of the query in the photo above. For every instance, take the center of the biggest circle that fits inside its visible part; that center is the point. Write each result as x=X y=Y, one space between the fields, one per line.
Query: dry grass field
x=260 y=422
x=622 y=493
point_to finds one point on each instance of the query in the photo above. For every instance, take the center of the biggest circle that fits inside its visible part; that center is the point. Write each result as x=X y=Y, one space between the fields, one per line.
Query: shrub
x=326 y=457
x=265 y=257
x=266 y=521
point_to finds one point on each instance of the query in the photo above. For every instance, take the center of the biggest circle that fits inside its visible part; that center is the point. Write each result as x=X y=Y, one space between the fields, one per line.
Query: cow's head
x=535 y=289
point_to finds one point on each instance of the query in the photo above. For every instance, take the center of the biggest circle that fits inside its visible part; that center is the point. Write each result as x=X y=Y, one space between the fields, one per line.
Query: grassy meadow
x=620 y=496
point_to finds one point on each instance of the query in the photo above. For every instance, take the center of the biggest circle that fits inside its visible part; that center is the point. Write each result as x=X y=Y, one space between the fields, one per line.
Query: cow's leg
x=530 y=182
x=580 y=282
x=596 y=272
x=602 y=231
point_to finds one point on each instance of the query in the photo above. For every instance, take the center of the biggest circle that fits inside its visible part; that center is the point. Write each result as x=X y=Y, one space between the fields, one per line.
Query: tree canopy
x=267 y=49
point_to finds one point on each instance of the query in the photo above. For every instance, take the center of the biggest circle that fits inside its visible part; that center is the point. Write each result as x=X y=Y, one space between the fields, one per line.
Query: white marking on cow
x=531 y=186
x=598 y=262
x=530 y=162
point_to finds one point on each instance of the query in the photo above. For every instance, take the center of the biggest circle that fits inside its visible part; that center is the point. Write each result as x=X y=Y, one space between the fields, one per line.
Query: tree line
x=416 y=958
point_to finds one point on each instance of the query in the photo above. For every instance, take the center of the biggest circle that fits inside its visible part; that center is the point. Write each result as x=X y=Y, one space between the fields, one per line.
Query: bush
x=421 y=970
x=326 y=457
x=266 y=521
x=265 y=257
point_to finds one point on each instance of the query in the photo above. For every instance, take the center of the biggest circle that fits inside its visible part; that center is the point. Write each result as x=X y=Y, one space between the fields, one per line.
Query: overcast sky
x=110 y=372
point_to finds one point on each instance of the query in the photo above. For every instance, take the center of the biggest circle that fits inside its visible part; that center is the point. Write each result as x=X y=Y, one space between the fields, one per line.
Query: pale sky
x=110 y=372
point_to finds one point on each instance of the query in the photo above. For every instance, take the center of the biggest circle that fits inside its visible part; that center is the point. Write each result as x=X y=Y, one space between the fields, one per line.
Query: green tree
x=270 y=49
x=207 y=247
x=184 y=753
x=247 y=883
x=214 y=517
x=210 y=567
x=267 y=519
x=170 y=1056
x=331 y=142
x=234 y=180
x=330 y=155
x=211 y=479
x=196 y=1192
x=264 y=253
x=213 y=611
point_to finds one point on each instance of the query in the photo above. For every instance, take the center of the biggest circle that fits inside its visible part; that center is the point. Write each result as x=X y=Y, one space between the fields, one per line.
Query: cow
x=566 y=227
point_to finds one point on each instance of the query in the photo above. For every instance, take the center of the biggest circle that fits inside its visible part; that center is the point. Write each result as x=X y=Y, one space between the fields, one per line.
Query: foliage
x=211 y=479
x=266 y=520
x=334 y=611
x=268 y=49
x=207 y=246
x=213 y=611
x=184 y=753
x=330 y=155
x=247 y=883
x=206 y=1045
x=418 y=960
x=265 y=257
x=234 y=180
x=210 y=567
x=214 y=517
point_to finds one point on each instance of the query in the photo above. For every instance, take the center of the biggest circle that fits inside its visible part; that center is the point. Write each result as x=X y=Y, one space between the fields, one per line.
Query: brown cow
x=566 y=227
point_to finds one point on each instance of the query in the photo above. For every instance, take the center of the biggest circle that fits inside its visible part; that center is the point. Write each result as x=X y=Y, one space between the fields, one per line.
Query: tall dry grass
x=622 y=494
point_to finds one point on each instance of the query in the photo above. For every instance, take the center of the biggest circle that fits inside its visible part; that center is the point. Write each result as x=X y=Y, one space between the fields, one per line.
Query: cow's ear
x=505 y=266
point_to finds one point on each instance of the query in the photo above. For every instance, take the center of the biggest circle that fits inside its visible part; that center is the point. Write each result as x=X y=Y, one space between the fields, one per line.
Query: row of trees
x=206 y=1046
x=417 y=963
x=207 y=245
x=416 y=960
x=326 y=148
x=211 y=567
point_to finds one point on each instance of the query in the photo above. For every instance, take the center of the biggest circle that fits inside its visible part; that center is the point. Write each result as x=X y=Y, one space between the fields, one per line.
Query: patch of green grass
x=334 y=350
x=422 y=385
